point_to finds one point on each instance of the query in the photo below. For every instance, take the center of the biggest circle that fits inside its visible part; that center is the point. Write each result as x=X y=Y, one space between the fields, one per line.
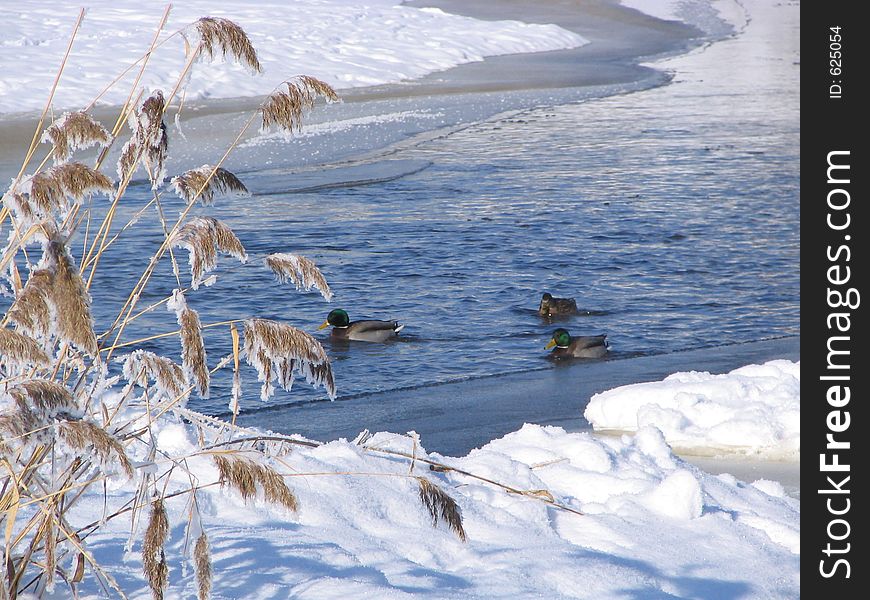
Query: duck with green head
x=364 y=331
x=551 y=306
x=584 y=346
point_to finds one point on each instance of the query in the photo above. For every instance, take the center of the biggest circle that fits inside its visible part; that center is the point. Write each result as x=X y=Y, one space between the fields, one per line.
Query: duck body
x=370 y=330
x=551 y=306
x=584 y=346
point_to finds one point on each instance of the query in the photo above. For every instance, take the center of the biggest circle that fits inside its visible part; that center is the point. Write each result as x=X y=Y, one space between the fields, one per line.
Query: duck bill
x=324 y=325
x=550 y=345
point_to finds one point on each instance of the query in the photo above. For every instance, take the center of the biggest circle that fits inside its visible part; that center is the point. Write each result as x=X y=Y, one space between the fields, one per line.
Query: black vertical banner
x=835 y=424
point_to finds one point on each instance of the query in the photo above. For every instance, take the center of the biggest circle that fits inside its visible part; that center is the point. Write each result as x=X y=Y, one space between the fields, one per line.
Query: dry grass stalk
x=74 y=131
x=227 y=37
x=202 y=237
x=19 y=349
x=153 y=556
x=441 y=506
x=301 y=271
x=193 y=356
x=285 y=109
x=142 y=366
x=244 y=475
x=202 y=184
x=278 y=351
x=81 y=434
x=202 y=566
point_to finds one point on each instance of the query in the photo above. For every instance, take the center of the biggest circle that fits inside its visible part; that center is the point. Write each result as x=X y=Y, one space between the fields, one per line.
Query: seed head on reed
x=74 y=131
x=279 y=351
x=35 y=404
x=441 y=506
x=141 y=366
x=228 y=38
x=80 y=435
x=193 y=356
x=202 y=184
x=202 y=237
x=21 y=350
x=202 y=566
x=285 y=109
x=153 y=556
x=45 y=192
x=71 y=300
x=301 y=271
x=245 y=475
x=50 y=545
x=31 y=311
x=148 y=142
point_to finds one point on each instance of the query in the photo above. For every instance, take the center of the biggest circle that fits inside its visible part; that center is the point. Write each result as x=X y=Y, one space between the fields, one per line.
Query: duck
x=584 y=346
x=364 y=331
x=551 y=306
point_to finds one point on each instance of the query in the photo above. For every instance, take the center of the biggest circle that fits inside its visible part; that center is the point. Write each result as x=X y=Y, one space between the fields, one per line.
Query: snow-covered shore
x=751 y=410
x=345 y=43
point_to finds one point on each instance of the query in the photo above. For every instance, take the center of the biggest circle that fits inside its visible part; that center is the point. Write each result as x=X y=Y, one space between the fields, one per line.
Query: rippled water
x=671 y=215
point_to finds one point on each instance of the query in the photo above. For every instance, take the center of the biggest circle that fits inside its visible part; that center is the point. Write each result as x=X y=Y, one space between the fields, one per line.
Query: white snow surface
x=347 y=43
x=752 y=410
x=653 y=525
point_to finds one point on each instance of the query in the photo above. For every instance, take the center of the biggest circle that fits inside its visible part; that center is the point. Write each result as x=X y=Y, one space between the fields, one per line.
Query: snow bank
x=653 y=525
x=751 y=410
x=347 y=43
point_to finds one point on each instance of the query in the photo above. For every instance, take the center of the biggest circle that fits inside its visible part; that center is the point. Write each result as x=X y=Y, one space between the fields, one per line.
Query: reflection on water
x=671 y=215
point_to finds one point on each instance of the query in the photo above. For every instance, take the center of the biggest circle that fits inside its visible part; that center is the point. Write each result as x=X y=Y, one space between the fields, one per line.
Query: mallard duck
x=584 y=346
x=363 y=331
x=551 y=306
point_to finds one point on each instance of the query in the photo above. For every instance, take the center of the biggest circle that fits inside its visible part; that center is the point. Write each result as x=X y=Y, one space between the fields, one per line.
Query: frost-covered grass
x=751 y=410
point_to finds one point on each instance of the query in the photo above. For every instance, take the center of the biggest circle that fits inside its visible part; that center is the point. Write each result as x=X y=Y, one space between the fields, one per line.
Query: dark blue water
x=671 y=215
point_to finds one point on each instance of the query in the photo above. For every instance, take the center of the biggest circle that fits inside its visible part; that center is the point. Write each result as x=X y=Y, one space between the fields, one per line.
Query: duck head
x=561 y=339
x=336 y=318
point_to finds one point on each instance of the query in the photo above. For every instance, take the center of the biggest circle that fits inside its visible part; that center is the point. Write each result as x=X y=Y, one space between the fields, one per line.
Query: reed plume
x=74 y=131
x=71 y=300
x=50 y=547
x=193 y=356
x=21 y=350
x=245 y=475
x=285 y=109
x=153 y=555
x=301 y=271
x=141 y=366
x=441 y=506
x=35 y=403
x=31 y=311
x=202 y=237
x=202 y=566
x=202 y=184
x=279 y=351
x=45 y=192
x=216 y=34
x=80 y=435
x=148 y=142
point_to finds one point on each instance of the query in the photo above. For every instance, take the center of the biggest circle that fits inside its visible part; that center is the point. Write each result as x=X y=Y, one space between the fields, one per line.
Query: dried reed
x=285 y=109
x=202 y=566
x=31 y=311
x=71 y=301
x=203 y=237
x=277 y=349
x=19 y=349
x=140 y=366
x=74 y=131
x=81 y=434
x=148 y=142
x=193 y=356
x=441 y=506
x=224 y=35
x=205 y=181
x=245 y=475
x=153 y=556
x=301 y=271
